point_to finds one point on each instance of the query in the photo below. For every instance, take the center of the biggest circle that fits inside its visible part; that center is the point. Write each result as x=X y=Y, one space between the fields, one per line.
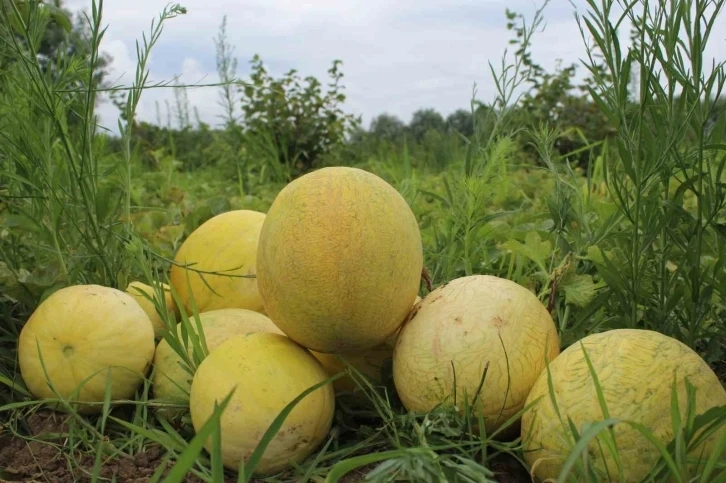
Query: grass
x=636 y=240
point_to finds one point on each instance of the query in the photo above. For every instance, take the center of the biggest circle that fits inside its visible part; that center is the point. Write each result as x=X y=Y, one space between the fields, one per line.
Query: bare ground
x=50 y=461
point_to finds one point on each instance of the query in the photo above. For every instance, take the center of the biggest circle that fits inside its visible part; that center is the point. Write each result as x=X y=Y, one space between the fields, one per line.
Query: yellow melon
x=86 y=332
x=459 y=328
x=172 y=380
x=371 y=363
x=339 y=260
x=268 y=371
x=635 y=369
x=137 y=290
x=225 y=244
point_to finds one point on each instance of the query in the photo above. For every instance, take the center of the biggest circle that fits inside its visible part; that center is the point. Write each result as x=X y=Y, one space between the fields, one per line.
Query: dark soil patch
x=43 y=455
x=508 y=470
x=50 y=460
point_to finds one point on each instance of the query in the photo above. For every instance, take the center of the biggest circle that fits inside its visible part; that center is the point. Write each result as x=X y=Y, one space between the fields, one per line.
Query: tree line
x=300 y=121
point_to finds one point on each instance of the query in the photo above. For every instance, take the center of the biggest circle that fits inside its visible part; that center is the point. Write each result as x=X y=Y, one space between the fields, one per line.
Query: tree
x=292 y=118
x=424 y=120
x=461 y=121
x=62 y=38
x=387 y=127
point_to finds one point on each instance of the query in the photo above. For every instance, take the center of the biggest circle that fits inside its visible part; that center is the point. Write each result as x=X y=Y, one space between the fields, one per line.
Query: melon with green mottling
x=461 y=327
x=339 y=260
x=635 y=369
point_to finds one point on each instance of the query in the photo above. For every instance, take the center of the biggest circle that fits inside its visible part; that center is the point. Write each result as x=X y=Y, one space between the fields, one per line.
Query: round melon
x=636 y=369
x=459 y=328
x=137 y=290
x=339 y=260
x=86 y=332
x=268 y=371
x=172 y=381
x=224 y=245
x=371 y=363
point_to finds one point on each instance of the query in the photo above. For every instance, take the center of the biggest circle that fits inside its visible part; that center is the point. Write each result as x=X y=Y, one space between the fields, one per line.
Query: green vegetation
x=607 y=199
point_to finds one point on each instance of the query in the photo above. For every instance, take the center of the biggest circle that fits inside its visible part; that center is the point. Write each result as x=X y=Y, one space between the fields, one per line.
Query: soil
x=49 y=460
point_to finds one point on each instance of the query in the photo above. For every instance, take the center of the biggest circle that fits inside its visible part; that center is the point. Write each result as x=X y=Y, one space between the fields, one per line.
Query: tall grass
x=666 y=169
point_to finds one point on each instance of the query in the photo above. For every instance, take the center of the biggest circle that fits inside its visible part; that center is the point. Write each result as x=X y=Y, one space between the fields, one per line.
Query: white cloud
x=398 y=56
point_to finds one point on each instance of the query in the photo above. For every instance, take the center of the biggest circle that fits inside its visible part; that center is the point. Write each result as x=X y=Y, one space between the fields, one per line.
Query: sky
x=398 y=56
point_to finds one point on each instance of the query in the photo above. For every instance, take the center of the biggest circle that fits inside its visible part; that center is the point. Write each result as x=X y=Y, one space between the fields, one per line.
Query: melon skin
x=268 y=371
x=171 y=382
x=467 y=323
x=370 y=362
x=225 y=244
x=635 y=369
x=86 y=331
x=137 y=289
x=339 y=260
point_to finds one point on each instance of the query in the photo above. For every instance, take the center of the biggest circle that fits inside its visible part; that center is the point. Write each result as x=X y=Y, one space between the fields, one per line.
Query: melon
x=171 y=381
x=137 y=290
x=370 y=363
x=636 y=369
x=268 y=371
x=219 y=257
x=339 y=260
x=86 y=332
x=460 y=327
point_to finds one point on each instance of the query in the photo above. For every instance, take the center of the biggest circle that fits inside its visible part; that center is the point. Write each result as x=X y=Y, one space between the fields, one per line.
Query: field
x=607 y=200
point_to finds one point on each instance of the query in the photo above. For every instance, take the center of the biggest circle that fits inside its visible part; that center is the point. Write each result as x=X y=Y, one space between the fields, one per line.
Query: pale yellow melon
x=339 y=260
x=459 y=328
x=137 y=290
x=86 y=332
x=225 y=244
x=172 y=381
x=268 y=371
x=371 y=363
x=635 y=369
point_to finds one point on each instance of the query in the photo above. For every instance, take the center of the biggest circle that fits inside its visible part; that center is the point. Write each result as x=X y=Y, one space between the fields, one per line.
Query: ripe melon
x=460 y=327
x=171 y=381
x=137 y=290
x=268 y=371
x=86 y=332
x=227 y=245
x=635 y=369
x=370 y=363
x=339 y=260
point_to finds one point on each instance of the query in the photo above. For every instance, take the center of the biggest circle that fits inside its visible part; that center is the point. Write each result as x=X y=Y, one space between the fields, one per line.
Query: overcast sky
x=398 y=55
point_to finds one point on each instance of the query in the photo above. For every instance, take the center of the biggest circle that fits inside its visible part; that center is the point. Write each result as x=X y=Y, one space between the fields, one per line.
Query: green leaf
x=533 y=248
x=59 y=16
x=579 y=289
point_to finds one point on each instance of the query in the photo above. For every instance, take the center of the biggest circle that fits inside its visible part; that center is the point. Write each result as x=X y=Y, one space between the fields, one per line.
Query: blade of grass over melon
x=246 y=469
x=188 y=458
x=610 y=440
